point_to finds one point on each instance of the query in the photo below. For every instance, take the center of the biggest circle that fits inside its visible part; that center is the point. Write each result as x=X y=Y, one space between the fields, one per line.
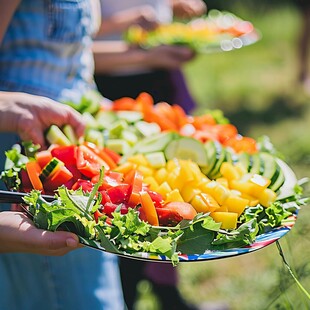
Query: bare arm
x=7 y=10
x=111 y=56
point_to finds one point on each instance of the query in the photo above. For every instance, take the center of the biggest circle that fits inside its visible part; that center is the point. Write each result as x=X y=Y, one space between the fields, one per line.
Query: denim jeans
x=81 y=280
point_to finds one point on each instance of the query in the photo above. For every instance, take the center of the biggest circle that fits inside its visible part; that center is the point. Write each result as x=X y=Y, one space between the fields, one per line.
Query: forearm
x=111 y=56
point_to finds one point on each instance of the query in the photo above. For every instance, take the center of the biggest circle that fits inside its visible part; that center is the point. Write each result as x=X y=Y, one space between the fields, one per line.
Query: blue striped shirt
x=47 y=49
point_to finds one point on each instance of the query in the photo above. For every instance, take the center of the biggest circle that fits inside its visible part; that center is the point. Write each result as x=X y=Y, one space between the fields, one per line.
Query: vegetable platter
x=148 y=181
x=217 y=31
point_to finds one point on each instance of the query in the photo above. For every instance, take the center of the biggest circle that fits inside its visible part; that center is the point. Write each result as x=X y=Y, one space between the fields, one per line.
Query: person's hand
x=143 y=16
x=168 y=56
x=18 y=234
x=29 y=116
x=187 y=9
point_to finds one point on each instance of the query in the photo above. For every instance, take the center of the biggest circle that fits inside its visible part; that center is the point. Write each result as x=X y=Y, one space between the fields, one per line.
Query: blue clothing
x=47 y=51
x=81 y=280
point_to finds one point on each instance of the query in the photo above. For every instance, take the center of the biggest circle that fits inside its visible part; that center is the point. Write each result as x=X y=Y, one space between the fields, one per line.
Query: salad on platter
x=148 y=181
x=217 y=31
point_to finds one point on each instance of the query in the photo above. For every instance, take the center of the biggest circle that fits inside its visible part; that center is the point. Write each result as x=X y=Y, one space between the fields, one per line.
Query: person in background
x=45 y=51
x=304 y=44
x=126 y=71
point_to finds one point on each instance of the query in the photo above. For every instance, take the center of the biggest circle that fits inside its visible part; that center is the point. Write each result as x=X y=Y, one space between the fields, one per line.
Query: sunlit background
x=257 y=87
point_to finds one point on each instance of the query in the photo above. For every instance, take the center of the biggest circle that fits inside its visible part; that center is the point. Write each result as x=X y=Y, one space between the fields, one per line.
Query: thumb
x=58 y=240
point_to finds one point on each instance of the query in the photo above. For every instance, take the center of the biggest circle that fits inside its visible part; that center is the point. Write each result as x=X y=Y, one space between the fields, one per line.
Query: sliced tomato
x=173 y=212
x=43 y=157
x=86 y=185
x=102 y=154
x=33 y=171
x=60 y=177
x=89 y=163
x=110 y=207
x=111 y=178
x=104 y=197
x=156 y=198
x=120 y=193
x=167 y=217
x=185 y=209
x=115 y=156
x=67 y=154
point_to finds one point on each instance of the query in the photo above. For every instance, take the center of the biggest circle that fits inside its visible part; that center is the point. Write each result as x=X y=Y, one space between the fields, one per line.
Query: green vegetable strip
x=290 y=270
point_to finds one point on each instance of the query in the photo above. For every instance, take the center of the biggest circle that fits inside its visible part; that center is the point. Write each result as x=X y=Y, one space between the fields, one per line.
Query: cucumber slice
x=117 y=127
x=256 y=164
x=90 y=102
x=156 y=160
x=220 y=158
x=70 y=134
x=95 y=136
x=105 y=119
x=50 y=168
x=272 y=171
x=277 y=182
x=129 y=137
x=54 y=135
x=211 y=149
x=118 y=145
x=187 y=148
x=130 y=116
x=89 y=120
x=147 y=129
x=245 y=160
x=155 y=143
x=269 y=165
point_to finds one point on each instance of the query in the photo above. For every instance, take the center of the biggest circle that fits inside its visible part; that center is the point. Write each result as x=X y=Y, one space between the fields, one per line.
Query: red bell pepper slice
x=135 y=179
x=119 y=194
x=67 y=154
x=148 y=208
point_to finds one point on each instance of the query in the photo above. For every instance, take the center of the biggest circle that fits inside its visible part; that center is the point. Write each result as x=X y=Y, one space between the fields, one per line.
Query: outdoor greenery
x=257 y=89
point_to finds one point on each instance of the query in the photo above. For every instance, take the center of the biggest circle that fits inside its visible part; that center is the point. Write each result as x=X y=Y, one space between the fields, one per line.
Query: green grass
x=257 y=90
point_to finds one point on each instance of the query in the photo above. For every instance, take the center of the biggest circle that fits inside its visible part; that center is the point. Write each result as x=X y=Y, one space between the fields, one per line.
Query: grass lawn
x=257 y=90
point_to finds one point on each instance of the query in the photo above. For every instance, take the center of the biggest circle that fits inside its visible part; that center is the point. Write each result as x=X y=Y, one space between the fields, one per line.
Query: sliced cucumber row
x=211 y=155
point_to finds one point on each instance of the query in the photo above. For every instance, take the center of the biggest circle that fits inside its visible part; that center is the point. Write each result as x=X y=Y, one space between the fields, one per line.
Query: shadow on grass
x=279 y=109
